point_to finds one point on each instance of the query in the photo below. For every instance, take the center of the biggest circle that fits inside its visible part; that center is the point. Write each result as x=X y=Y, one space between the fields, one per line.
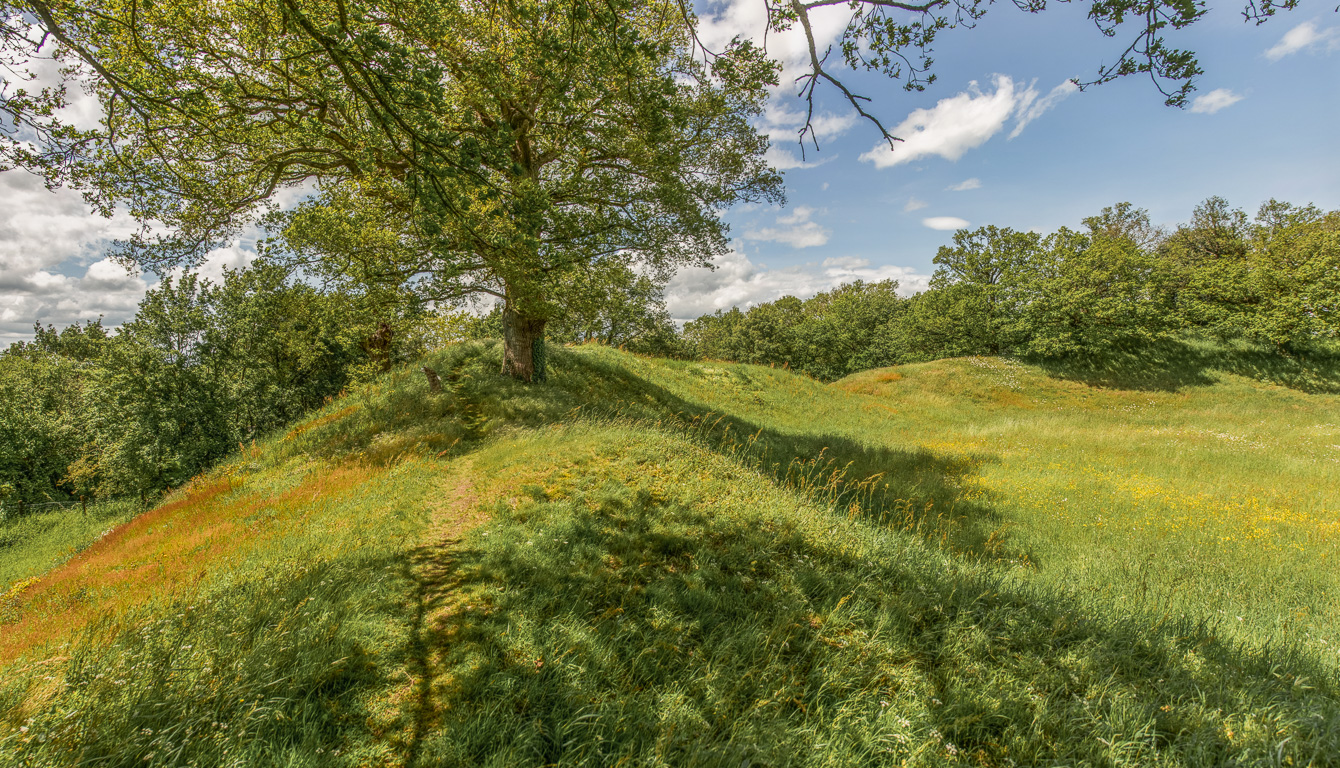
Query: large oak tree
x=502 y=147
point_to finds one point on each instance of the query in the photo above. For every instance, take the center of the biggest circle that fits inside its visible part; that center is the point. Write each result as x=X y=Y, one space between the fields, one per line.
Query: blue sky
x=1270 y=127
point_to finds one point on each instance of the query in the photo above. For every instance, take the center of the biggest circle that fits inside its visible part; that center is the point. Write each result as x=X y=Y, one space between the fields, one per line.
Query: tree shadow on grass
x=1176 y=364
x=623 y=629
x=916 y=490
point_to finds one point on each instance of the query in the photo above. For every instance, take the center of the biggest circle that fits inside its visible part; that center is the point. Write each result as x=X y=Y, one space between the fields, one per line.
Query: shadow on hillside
x=1175 y=364
x=622 y=629
x=919 y=491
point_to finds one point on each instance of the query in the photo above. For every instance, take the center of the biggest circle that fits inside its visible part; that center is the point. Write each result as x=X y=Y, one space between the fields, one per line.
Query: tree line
x=525 y=150
x=202 y=367
x=1118 y=282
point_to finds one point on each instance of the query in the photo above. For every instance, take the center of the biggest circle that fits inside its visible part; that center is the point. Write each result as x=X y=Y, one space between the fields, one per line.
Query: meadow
x=33 y=544
x=650 y=562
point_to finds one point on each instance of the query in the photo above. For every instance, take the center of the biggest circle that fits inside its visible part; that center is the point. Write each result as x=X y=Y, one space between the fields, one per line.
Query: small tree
x=991 y=264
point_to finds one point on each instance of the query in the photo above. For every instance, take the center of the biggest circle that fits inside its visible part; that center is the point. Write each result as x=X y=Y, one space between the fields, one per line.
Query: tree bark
x=523 y=346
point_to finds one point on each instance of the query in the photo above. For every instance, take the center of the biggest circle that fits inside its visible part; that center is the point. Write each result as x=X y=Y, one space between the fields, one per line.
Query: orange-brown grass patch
x=869 y=383
x=1011 y=399
x=168 y=550
x=875 y=405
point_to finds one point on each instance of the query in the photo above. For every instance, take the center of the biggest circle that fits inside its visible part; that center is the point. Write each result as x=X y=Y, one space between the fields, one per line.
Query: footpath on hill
x=656 y=562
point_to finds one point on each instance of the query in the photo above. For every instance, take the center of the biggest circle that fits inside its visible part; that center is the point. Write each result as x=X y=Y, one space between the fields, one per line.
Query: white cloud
x=781 y=122
x=1209 y=103
x=913 y=204
x=51 y=266
x=795 y=229
x=1305 y=36
x=739 y=282
x=786 y=160
x=1031 y=107
x=233 y=257
x=106 y=275
x=783 y=128
x=965 y=185
x=748 y=19
x=944 y=223
x=965 y=121
x=950 y=128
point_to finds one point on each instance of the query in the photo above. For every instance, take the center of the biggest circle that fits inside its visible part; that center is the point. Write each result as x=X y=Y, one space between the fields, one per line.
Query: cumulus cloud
x=52 y=258
x=233 y=256
x=51 y=265
x=965 y=185
x=1209 y=103
x=913 y=204
x=795 y=229
x=965 y=121
x=1305 y=37
x=739 y=282
x=106 y=275
x=944 y=223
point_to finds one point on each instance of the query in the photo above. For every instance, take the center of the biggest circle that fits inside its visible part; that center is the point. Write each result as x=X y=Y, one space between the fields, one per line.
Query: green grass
x=649 y=562
x=35 y=543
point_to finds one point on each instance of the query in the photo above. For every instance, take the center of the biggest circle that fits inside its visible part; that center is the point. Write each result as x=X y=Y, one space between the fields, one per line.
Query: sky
x=1001 y=138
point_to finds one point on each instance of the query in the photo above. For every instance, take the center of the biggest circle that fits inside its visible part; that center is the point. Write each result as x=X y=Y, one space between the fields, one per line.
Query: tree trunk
x=523 y=346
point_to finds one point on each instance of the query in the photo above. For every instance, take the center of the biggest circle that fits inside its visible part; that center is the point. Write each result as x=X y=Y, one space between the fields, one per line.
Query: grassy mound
x=663 y=563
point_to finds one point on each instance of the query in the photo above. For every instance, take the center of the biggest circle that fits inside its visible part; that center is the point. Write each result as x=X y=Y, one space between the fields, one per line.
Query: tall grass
x=646 y=602
x=971 y=562
x=35 y=543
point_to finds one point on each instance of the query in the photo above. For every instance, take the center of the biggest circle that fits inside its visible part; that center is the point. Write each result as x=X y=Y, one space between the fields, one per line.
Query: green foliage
x=1209 y=264
x=530 y=151
x=1091 y=293
x=1125 y=284
x=200 y=369
x=829 y=336
x=1296 y=274
x=45 y=402
x=616 y=307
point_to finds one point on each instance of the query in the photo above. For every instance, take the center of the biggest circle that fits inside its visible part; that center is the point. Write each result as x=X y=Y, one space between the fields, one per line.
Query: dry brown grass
x=166 y=551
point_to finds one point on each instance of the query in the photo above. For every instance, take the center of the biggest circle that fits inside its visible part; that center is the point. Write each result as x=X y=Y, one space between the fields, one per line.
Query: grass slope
x=35 y=543
x=665 y=563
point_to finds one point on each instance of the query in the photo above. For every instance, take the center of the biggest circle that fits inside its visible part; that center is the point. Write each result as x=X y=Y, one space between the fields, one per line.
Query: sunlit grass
x=35 y=543
x=653 y=562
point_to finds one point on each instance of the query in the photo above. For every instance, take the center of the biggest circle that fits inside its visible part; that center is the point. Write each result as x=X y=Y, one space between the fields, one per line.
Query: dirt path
x=434 y=567
x=455 y=514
